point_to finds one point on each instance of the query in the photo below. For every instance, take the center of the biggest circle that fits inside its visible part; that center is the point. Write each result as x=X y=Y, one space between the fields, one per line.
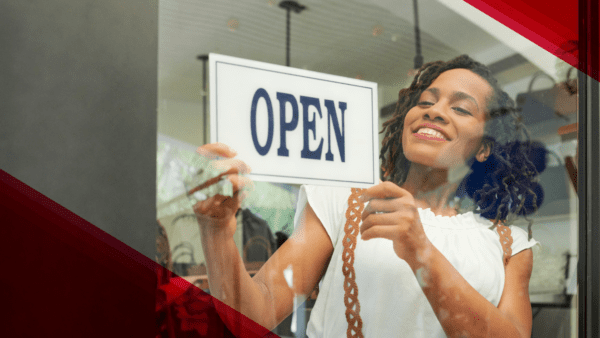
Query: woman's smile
x=428 y=131
x=429 y=137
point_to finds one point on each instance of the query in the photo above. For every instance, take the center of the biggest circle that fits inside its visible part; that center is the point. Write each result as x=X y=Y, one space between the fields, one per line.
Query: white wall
x=181 y=120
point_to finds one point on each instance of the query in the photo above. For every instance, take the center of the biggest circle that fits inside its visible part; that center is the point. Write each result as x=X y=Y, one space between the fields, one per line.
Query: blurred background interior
x=373 y=40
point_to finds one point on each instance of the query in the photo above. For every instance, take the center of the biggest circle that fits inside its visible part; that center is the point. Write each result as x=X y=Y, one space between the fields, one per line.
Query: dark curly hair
x=502 y=187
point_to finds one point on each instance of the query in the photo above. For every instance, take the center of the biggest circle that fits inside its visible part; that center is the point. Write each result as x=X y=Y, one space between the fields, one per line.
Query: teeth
x=431 y=132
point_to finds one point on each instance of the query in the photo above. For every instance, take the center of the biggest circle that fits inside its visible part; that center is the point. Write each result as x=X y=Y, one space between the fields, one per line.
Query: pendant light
x=289 y=6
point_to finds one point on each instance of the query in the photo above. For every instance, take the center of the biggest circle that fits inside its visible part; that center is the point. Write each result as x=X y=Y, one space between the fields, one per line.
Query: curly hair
x=502 y=187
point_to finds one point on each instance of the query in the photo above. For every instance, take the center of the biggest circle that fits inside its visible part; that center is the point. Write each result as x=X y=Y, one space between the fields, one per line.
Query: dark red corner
x=552 y=25
x=64 y=277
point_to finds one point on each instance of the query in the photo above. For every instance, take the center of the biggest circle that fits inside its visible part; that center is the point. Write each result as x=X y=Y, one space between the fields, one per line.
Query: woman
x=417 y=268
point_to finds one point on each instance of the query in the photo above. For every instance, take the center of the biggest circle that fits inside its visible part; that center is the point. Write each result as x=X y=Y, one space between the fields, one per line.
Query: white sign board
x=295 y=126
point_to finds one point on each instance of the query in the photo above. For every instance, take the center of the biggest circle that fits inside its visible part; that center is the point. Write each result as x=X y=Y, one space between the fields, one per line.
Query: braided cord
x=506 y=241
x=351 y=230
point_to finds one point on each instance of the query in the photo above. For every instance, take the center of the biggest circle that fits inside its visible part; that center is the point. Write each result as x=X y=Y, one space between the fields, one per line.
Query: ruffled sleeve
x=329 y=204
x=520 y=240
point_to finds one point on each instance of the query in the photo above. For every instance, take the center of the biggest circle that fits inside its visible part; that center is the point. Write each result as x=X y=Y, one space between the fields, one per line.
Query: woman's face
x=446 y=127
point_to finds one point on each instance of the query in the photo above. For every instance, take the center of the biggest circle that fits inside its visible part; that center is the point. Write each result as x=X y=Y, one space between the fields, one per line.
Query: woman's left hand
x=392 y=214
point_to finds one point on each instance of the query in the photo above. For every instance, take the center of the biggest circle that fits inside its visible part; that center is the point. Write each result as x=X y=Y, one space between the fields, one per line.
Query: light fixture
x=233 y=24
x=377 y=30
x=297 y=8
x=418 y=60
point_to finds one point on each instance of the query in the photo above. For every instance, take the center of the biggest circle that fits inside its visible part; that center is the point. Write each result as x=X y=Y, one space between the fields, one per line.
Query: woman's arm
x=266 y=299
x=308 y=252
x=463 y=312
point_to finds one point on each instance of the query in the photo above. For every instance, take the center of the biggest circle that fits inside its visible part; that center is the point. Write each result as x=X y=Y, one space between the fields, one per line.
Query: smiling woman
x=481 y=128
x=423 y=266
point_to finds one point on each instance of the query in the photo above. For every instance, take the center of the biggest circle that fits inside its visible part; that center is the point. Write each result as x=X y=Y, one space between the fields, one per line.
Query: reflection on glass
x=468 y=170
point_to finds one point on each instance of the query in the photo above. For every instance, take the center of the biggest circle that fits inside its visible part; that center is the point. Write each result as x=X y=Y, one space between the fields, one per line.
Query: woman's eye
x=462 y=111
x=425 y=103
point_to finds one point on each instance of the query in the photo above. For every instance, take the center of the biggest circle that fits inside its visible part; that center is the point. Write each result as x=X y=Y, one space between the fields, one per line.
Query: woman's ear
x=484 y=152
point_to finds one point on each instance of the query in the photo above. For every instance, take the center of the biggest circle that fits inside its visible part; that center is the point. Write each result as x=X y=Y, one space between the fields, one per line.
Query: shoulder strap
x=351 y=229
x=506 y=241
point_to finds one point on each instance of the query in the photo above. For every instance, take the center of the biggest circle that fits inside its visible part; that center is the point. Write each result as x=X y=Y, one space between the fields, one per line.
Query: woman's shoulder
x=521 y=240
x=326 y=190
x=328 y=203
x=325 y=197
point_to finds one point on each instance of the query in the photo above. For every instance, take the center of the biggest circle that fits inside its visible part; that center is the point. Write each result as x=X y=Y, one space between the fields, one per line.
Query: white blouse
x=391 y=300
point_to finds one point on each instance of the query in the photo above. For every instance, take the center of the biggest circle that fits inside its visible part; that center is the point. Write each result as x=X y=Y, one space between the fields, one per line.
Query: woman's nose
x=436 y=113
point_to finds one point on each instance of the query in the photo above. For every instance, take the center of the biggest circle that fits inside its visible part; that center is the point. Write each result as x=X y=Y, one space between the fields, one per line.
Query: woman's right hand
x=216 y=214
x=265 y=298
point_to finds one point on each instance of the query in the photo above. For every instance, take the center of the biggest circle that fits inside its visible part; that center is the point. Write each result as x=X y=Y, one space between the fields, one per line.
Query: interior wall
x=78 y=97
x=182 y=120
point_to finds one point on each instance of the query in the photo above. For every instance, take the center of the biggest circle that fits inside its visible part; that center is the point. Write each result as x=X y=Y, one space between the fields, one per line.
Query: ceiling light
x=233 y=24
x=377 y=30
x=289 y=6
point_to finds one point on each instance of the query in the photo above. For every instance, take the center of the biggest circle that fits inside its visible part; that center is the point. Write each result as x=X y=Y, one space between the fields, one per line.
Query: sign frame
x=217 y=66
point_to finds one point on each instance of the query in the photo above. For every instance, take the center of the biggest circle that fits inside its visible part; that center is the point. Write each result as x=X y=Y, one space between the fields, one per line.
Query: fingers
x=393 y=219
x=241 y=183
x=381 y=205
x=378 y=219
x=227 y=168
x=218 y=207
x=216 y=152
x=221 y=165
x=392 y=214
x=230 y=166
x=379 y=231
x=213 y=150
x=384 y=190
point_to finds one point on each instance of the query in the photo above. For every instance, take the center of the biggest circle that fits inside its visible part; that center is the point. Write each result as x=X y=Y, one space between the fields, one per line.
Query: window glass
x=376 y=41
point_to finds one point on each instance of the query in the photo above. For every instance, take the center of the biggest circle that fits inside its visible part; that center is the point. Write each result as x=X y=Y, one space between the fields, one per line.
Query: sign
x=295 y=126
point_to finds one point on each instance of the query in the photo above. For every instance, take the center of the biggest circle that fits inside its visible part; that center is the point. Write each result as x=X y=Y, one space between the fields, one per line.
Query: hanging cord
x=351 y=229
x=418 y=57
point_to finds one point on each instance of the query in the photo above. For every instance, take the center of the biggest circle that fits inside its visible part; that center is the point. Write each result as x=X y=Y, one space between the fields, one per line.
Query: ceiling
x=373 y=40
x=369 y=39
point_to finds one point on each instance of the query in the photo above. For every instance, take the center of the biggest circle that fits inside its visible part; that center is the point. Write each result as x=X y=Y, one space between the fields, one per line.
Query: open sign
x=295 y=126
